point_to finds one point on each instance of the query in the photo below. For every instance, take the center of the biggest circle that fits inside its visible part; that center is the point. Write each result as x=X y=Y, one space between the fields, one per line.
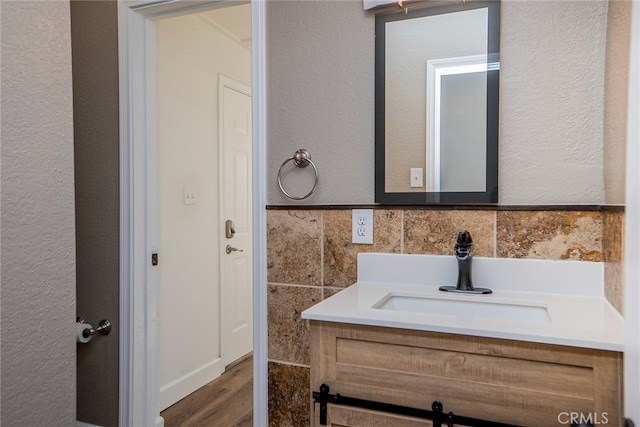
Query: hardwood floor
x=226 y=401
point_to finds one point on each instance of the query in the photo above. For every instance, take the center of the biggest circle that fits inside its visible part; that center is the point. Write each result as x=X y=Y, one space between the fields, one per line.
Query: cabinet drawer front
x=497 y=380
x=340 y=416
x=383 y=362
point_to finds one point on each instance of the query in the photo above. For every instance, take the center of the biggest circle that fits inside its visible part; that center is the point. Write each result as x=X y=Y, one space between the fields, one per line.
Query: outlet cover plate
x=362 y=226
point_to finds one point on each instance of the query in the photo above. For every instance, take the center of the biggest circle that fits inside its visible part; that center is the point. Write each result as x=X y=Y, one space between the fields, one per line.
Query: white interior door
x=236 y=226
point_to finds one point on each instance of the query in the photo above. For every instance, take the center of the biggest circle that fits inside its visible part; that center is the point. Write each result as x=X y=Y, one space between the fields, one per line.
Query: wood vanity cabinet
x=498 y=380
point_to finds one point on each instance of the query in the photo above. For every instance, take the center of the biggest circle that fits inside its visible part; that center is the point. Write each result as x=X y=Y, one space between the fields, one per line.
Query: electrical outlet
x=362 y=226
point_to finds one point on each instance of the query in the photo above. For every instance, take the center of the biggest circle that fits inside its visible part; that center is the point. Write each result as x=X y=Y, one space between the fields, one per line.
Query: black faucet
x=463 y=250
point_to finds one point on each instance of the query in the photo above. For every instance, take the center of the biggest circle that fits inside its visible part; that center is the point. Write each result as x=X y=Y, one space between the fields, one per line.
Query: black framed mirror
x=437 y=88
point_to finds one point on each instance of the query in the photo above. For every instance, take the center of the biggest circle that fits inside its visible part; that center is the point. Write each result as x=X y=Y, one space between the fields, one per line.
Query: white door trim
x=138 y=298
x=632 y=230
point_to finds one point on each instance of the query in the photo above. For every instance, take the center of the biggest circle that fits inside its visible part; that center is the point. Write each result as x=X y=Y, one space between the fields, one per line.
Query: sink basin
x=496 y=309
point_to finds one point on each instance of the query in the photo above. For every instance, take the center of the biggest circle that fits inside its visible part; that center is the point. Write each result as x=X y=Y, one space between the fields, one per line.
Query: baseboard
x=238 y=361
x=187 y=384
x=83 y=424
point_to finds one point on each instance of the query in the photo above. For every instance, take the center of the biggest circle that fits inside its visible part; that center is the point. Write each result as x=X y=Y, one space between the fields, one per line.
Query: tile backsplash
x=550 y=235
x=310 y=257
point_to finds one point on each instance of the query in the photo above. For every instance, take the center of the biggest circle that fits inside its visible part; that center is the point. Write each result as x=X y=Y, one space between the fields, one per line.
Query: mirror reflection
x=436 y=104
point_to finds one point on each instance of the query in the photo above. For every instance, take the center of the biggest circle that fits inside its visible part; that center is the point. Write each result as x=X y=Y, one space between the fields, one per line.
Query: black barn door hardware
x=323 y=397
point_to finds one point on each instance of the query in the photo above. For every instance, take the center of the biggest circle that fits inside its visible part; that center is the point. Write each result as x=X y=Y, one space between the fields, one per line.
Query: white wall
x=321 y=97
x=38 y=347
x=191 y=54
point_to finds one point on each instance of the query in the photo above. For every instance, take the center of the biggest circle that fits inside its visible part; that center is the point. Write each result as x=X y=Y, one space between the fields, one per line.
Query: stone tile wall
x=310 y=257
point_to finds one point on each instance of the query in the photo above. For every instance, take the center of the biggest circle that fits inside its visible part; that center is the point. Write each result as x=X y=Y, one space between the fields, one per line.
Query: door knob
x=230 y=249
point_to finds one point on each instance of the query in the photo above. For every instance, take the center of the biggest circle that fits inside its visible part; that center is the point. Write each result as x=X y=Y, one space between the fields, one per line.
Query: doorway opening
x=203 y=198
x=140 y=197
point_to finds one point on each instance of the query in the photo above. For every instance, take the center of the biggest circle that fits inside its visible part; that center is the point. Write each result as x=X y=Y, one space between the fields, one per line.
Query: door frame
x=138 y=391
x=632 y=229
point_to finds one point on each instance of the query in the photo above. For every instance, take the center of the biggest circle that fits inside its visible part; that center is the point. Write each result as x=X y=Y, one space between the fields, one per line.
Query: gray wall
x=320 y=57
x=321 y=97
x=38 y=306
x=552 y=102
x=95 y=93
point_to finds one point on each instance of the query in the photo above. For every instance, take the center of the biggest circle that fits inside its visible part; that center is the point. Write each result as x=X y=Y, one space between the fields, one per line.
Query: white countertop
x=571 y=291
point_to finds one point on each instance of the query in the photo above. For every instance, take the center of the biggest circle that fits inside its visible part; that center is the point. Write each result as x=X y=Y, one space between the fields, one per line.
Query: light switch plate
x=362 y=226
x=189 y=195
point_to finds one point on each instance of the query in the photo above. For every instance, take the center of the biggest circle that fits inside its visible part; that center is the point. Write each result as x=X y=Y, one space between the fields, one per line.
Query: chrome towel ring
x=301 y=158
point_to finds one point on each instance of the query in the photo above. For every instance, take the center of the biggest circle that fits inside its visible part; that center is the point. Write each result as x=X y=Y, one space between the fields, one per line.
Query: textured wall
x=321 y=96
x=551 y=99
x=38 y=347
x=320 y=87
x=94 y=42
